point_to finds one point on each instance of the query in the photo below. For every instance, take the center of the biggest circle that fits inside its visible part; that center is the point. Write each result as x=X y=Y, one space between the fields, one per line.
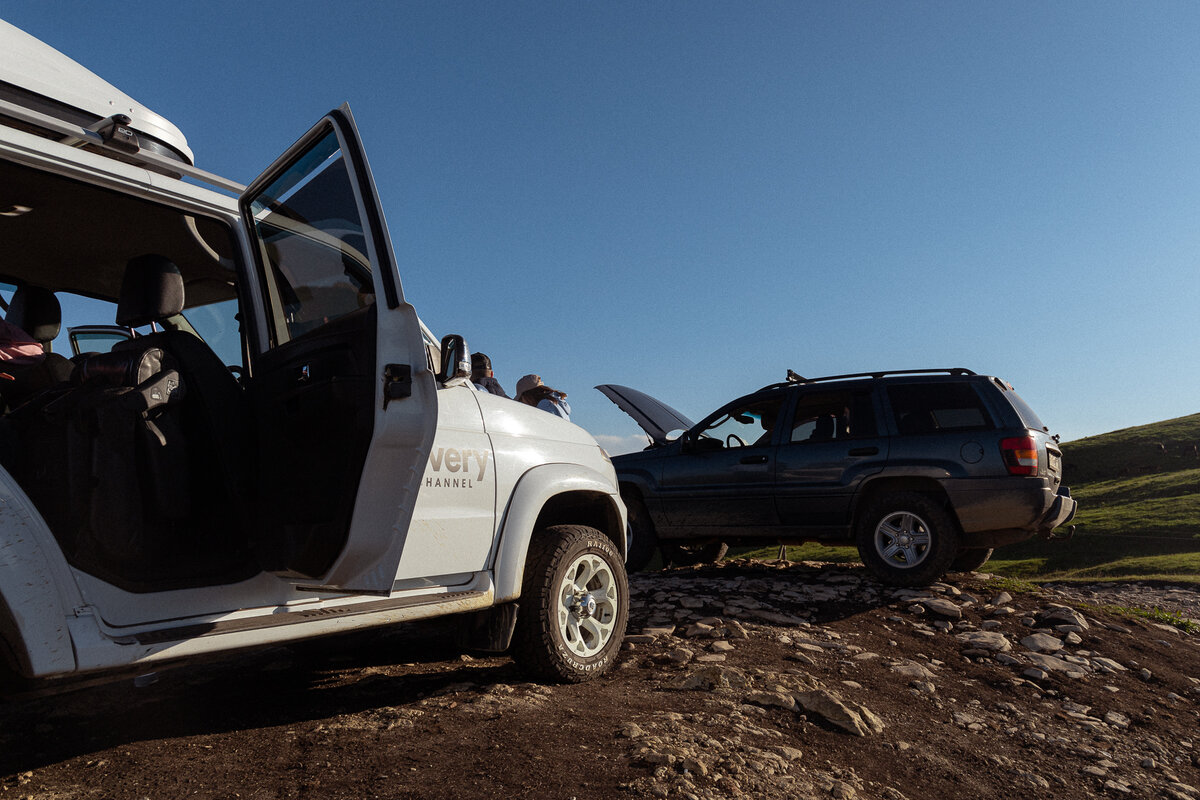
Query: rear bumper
x=1000 y=511
x=1061 y=512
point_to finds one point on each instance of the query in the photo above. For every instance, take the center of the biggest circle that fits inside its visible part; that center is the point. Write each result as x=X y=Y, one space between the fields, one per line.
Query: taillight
x=1020 y=455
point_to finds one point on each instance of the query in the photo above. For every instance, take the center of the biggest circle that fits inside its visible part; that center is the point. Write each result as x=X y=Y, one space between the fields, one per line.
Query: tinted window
x=312 y=243
x=928 y=407
x=1030 y=419
x=833 y=415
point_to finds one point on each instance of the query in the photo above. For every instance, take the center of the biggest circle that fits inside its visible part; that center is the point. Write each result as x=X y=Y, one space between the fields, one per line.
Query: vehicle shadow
x=310 y=681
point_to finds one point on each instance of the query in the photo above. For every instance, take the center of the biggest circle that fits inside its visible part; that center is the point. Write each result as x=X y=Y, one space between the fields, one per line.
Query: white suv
x=278 y=449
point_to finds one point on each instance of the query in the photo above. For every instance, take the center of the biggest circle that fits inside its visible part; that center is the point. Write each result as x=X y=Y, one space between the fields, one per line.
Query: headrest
x=151 y=291
x=36 y=311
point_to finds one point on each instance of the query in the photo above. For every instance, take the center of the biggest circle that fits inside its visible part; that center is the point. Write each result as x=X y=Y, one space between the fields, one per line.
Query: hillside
x=1157 y=448
x=1139 y=499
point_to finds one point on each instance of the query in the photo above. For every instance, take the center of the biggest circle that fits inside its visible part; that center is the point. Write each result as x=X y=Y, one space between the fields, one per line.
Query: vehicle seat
x=213 y=413
x=823 y=430
x=36 y=311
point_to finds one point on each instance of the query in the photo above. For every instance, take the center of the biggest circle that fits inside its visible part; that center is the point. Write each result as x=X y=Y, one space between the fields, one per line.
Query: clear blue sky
x=691 y=197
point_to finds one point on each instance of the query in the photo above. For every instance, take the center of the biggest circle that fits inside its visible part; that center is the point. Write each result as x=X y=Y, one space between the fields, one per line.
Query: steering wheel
x=731 y=438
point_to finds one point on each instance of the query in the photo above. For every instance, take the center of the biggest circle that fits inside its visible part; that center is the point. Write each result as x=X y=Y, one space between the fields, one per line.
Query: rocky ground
x=755 y=680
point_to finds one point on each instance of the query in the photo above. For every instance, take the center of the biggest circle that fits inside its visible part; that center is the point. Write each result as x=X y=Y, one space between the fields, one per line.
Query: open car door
x=344 y=404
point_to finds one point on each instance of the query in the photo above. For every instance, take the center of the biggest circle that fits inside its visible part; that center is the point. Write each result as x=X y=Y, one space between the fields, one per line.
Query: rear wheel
x=970 y=559
x=907 y=539
x=687 y=555
x=574 y=605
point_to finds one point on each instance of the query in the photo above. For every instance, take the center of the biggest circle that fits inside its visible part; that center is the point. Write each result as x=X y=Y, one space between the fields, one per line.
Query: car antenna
x=795 y=377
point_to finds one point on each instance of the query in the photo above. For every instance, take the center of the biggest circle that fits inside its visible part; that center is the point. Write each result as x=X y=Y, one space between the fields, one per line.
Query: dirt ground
x=404 y=714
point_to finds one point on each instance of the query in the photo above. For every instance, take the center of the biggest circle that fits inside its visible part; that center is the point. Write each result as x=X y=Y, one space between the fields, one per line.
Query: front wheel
x=907 y=539
x=574 y=605
x=643 y=541
x=688 y=555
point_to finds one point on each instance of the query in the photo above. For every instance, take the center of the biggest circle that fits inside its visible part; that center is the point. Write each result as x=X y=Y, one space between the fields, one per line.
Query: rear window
x=1030 y=419
x=930 y=407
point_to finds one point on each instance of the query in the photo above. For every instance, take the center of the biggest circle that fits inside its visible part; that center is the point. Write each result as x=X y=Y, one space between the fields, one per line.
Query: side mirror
x=701 y=444
x=456 y=358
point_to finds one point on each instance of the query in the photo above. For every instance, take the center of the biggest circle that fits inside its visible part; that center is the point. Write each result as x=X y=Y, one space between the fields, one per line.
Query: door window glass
x=745 y=425
x=312 y=243
x=96 y=341
x=833 y=415
x=217 y=324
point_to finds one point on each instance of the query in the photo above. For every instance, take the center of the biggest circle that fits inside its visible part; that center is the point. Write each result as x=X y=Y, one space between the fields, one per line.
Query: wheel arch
x=554 y=494
x=913 y=483
x=33 y=608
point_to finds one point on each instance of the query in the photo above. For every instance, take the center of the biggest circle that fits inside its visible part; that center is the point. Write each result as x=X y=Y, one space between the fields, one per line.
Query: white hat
x=527 y=383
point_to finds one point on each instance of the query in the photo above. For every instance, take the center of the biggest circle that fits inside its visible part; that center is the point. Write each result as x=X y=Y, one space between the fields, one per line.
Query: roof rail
x=794 y=379
x=77 y=136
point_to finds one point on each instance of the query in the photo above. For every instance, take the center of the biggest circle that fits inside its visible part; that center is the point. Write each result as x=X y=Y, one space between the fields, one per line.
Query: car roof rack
x=794 y=378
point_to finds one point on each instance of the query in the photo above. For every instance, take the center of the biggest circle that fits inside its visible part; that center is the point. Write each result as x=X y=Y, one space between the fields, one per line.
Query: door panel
x=313 y=400
x=340 y=462
x=725 y=474
x=831 y=445
x=455 y=519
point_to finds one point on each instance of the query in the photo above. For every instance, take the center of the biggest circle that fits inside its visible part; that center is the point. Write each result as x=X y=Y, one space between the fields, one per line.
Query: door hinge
x=397 y=382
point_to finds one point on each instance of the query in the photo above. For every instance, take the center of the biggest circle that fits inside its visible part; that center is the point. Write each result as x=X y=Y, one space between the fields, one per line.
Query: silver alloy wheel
x=902 y=539
x=587 y=605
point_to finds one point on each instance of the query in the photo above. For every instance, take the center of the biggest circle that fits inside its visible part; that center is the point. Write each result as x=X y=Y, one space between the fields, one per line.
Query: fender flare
x=532 y=491
x=35 y=588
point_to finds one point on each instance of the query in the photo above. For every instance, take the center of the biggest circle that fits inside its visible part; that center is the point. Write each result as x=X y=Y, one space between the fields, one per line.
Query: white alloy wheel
x=588 y=605
x=574 y=605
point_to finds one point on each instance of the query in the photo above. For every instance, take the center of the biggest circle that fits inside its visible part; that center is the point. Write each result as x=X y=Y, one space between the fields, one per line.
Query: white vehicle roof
x=51 y=83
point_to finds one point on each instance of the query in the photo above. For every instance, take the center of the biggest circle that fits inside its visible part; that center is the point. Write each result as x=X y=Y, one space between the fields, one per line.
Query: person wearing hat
x=531 y=391
x=482 y=377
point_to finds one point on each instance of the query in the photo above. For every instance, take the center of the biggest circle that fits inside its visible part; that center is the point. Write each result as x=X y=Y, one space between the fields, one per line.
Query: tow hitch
x=1060 y=534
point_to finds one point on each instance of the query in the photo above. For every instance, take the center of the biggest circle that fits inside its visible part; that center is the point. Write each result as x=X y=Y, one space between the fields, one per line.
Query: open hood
x=655 y=418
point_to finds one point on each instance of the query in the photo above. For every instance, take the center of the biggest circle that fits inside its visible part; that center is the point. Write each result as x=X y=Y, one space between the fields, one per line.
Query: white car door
x=344 y=402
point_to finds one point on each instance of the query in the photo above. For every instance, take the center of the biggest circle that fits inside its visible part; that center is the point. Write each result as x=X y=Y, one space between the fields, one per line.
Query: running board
x=197 y=630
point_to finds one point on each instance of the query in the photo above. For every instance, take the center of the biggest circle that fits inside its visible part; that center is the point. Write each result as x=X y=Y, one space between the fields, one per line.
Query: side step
x=197 y=630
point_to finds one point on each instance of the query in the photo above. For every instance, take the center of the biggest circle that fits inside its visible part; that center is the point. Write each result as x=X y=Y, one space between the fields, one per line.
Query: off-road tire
x=644 y=542
x=557 y=639
x=907 y=527
x=689 y=555
x=970 y=559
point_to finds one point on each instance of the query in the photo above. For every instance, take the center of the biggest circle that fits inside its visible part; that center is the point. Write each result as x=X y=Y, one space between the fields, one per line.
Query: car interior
x=137 y=458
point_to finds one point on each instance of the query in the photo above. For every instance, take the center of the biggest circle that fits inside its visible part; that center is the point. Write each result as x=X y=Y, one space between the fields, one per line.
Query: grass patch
x=1004 y=583
x=1092 y=557
x=1155 y=615
x=805 y=552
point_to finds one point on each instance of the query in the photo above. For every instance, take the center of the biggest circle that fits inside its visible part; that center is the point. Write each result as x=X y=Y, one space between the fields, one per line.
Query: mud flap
x=490 y=630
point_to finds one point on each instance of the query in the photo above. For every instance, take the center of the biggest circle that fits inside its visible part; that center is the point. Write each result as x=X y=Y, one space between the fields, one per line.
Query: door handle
x=754 y=460
x=864 y=451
